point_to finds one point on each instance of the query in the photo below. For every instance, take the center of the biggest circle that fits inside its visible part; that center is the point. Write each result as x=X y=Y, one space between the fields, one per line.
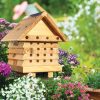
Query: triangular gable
x=25 y=26
x=40 y=29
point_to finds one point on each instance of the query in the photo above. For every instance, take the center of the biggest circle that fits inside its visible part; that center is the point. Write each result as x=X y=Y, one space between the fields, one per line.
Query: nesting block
x=33 y=45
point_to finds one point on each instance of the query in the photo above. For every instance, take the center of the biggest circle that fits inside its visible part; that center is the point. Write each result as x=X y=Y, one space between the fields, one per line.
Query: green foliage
x=3 y=52
x=51 y=85
x=93 y=80
x=80 y=74
x=55 y=7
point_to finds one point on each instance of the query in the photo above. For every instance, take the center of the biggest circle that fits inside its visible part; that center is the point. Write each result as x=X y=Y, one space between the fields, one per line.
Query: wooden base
x=35 y=69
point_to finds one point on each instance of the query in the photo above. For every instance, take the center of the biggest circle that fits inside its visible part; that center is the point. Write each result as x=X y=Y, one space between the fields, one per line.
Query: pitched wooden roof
x=26 y=25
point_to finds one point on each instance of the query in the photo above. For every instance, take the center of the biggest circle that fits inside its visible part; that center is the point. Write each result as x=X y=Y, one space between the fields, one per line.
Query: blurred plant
x=51 y=85
x=25 y=87
x=80 y=74
x=5 y=69
x=83 y=28
x=93 y=80
x=5 y=26
x=68 y=90
x=68 y=61
x=19 y=9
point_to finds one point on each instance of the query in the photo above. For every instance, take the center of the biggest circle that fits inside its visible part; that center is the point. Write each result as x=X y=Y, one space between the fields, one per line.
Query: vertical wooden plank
x=34 y=74
x=50 y=74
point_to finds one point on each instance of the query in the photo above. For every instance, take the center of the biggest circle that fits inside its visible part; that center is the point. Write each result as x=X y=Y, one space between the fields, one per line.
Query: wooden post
x=34 y=74
x=50 y=74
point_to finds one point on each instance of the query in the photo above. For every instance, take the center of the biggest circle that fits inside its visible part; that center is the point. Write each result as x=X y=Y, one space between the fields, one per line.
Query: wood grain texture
x=37 y=69
x=28 y=24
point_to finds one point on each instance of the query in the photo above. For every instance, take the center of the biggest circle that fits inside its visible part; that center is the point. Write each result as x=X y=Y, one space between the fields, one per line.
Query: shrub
x=68 y=61
x=68 y=90
x=25 y=87
x=5 y=26
x=93 y=80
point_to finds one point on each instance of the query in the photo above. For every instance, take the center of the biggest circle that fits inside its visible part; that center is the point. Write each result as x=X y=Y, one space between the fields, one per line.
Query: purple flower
x=2 y=34
x=72 y=59
x=5 y=69
x=65 y=57
x=62 y=53
x=2 y=21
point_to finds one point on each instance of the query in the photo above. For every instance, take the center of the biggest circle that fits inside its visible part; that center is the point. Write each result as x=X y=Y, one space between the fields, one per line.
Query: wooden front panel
x=30 y=63
x=35 y=50
x=20 y=45
x=33 y=56
x=41 y=38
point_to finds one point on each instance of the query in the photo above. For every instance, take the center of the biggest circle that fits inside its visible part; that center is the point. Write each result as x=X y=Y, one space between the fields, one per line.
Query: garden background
x=79 y=20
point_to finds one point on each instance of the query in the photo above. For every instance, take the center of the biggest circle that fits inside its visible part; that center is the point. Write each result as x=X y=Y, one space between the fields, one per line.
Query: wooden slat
x=41 y=38
x=33 y=56
x=30 y=63
x=33 y=45
x=35 y=51
x=37 y=69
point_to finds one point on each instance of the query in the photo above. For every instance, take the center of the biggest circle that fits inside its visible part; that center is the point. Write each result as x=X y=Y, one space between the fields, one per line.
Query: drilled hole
x=14 y=55
x=50 y=60
x=47 y=37
x=37 y=37
x=44 y=60
x=38 y=48
x=37 y=60
x=37 y=54
x=30 y=54
x=30 y=61
x=51 y=43
x=31 y=43
x=51 y=48
x=44 y=54
x=44 y=48
x=57 y=38
x=26 y=37
x=38 y=43
x=25 y=26
x=51 y=54
x=44 y=43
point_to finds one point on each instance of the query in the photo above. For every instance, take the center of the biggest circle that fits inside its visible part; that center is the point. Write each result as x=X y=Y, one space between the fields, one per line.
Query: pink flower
x=82 y=91
x=59 y=84
x=56 y=96
x=64 y=86
x=2 y=20
x=80 y=98
x=71 y=85
x=79 y=85
x=67 y=78
x=69 y=92
x=19 y=10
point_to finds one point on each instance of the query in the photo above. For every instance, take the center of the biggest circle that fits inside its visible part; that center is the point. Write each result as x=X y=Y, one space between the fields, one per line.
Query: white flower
x=82 y=39
x=93 y=70
x=28 y=86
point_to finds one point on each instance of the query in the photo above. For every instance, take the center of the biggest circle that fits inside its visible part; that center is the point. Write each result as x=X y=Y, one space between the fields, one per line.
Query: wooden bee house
x=33 y=45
